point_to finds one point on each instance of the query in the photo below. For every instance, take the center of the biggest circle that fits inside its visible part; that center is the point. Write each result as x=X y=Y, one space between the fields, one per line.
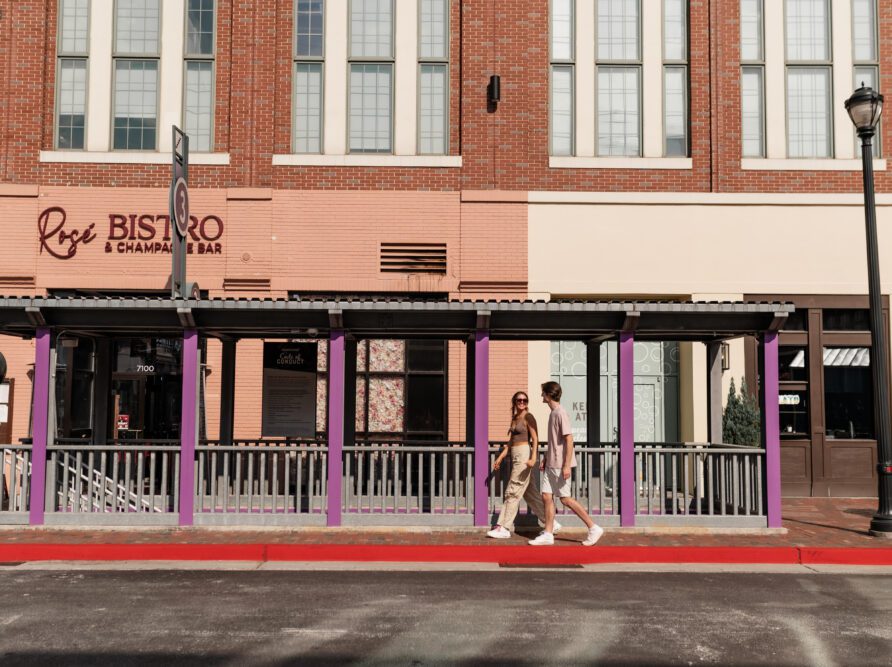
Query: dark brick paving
x=811 y=522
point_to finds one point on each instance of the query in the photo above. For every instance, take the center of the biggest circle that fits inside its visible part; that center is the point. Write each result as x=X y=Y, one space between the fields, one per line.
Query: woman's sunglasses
x=521 y=400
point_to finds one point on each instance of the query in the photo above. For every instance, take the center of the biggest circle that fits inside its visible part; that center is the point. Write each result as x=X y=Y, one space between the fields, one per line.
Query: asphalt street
x=516 y=617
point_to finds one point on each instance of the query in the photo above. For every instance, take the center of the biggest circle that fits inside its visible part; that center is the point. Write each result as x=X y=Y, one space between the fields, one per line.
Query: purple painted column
x=188 y=426
x=39 y=428
x=626 y=400
x=336 y=368
x=771 y=429
x=481 y=428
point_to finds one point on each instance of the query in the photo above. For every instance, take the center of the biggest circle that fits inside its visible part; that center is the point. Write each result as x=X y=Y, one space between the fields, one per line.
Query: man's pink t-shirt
x=558 y=426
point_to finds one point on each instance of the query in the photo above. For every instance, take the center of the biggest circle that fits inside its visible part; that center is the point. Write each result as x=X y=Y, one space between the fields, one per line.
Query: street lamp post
x=865 y=107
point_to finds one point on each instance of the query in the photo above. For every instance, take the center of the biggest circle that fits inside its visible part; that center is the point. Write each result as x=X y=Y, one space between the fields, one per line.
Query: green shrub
x=742 y=420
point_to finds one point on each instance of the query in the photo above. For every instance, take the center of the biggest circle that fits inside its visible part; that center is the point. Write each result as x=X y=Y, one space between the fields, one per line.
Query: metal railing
x=262 y=476
x=15 y=478
x=408 y=477
x=139 y=476
x=595 y=479
x=699 y=479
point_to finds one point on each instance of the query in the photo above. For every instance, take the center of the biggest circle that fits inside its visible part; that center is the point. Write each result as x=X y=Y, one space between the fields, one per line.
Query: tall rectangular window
x=752 y=78
x=71 y=73
x=198 y=109
x=675 y=78
x=563 y=55
x=136 y=55
x=433 y=77
x=619 y=77
x=309 y=61
x=866 y=54
x=371 y=76
x=809 y=91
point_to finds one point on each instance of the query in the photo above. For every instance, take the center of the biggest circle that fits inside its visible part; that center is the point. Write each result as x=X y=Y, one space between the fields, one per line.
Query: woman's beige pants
x=523 y=484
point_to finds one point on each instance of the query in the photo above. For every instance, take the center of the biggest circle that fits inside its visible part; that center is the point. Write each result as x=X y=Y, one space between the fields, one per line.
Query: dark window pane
x=846 y=319
x=426 y=355
x=848 y=393
x=796 y=321
x=793 y=363
x=425 y=403
x=793 y=413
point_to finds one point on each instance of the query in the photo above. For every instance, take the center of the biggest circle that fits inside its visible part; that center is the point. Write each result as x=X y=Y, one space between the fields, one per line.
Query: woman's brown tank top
x=520 y=434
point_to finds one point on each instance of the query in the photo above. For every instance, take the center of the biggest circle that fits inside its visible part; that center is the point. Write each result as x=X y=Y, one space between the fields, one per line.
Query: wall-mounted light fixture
x=726 y=357
x=494 y=91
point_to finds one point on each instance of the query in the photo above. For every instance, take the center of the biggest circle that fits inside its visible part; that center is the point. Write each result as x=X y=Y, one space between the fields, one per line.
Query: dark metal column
x=593 y=393
x=101 y=390
x=349 y=391
x=227 y=391
x=714 y=391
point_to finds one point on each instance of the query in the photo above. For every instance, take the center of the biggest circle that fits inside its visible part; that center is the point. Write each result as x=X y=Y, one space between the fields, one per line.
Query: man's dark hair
x=552 y=390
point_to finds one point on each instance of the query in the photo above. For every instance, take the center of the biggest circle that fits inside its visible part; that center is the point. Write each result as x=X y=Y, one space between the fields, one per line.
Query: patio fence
x=383 y=482
x=15 y=478
x=262 y=477
x=698 y=483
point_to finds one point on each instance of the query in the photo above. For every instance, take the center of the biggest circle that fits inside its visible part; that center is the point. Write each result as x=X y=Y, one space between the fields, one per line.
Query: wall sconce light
x=494 y=91
x=726 y=357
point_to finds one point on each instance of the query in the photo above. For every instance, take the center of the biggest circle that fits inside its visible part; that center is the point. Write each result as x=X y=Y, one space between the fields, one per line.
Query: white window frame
x=156 y=57
x=62 y=55
x=297 y=61
x=873 y=63
x=389 y=60
x=199 y=57
x=755 y=64
x=442 y=61
x=563 y=63
x=684 y=65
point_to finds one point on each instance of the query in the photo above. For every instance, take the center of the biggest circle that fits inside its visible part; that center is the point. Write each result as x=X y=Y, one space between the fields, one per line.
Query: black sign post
x=179 y=214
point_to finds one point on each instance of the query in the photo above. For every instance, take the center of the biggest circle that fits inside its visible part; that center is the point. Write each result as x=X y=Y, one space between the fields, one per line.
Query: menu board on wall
x=289 y=390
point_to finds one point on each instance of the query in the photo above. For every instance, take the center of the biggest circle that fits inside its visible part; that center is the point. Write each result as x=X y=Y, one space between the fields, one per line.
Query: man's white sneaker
x=557 y=526
x=543 y=540
x=594 y=534
x=499 y=533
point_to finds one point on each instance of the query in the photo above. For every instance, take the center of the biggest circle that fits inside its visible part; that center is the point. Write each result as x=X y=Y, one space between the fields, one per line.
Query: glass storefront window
x=848 y=393
x=793 y=410
x=793 y=363
x=846 y=319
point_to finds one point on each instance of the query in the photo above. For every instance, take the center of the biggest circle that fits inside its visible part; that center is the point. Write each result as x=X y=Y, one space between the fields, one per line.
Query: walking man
x=559 y=462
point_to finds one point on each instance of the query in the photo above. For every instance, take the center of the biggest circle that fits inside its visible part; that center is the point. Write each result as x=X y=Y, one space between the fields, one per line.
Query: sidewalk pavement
x=818 y=531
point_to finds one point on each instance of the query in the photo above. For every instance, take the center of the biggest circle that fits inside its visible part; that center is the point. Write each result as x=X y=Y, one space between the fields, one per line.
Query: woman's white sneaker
x=543 y=540
x=499 y=533
x=594 y=534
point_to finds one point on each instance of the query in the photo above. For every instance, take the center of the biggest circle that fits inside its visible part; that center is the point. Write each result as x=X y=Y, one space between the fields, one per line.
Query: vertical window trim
x=672 y=63
x=114 y=78
x=369 y=60
x=571 y=64
x=877 y=140
x=71 y=55
x=201 y=57
x=296 y=61
x=444 y=60
x=638 y=65
x=748 y=63
x=810 y=64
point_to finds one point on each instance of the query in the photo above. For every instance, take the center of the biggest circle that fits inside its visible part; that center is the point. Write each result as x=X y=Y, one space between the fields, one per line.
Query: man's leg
x=533 y=496
x=548 y=502
x=577 y=509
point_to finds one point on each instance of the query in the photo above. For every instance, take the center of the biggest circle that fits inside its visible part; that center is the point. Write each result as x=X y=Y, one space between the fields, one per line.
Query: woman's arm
x=533 y=430
x=502 y=454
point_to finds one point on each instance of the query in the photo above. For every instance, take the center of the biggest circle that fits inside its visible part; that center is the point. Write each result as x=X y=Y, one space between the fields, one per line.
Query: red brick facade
x=502 y=150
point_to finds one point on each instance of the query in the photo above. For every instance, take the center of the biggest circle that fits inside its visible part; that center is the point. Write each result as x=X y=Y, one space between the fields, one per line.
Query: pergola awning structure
x=393 y=318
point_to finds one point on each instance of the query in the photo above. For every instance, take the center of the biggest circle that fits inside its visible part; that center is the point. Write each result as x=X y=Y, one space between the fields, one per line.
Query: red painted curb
x=517 y=555
x=846 y=556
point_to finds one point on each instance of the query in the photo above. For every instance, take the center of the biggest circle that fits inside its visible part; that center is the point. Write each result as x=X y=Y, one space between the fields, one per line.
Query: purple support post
x=771 y=429
x=39 y=416
x=481 y=428
x=188 y=426
x=336 y=368
x=626 y=373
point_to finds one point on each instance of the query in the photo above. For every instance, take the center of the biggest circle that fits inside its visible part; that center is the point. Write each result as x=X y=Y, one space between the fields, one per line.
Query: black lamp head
x=865 y=107
x=494 y=89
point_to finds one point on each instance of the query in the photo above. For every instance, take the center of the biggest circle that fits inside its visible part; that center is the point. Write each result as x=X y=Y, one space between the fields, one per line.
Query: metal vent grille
x=413 y=258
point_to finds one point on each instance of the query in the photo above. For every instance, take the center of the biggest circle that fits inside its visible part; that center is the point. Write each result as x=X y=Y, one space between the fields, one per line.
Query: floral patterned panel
x=387 y=355
x=386 y=404
x=361 y=355
x=360 y=404
x=321 y=402
x=321 y=355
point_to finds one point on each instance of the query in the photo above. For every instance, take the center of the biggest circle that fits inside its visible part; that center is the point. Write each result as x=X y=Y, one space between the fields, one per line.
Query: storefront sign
x=127 y=234
x=289 y=390
x=123 y=422
x=789 y=399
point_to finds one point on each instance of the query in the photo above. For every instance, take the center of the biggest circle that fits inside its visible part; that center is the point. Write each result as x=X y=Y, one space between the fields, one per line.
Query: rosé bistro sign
x=126 y=234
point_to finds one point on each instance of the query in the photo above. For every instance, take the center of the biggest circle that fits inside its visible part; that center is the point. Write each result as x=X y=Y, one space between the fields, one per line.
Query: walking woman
x=523 y=446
